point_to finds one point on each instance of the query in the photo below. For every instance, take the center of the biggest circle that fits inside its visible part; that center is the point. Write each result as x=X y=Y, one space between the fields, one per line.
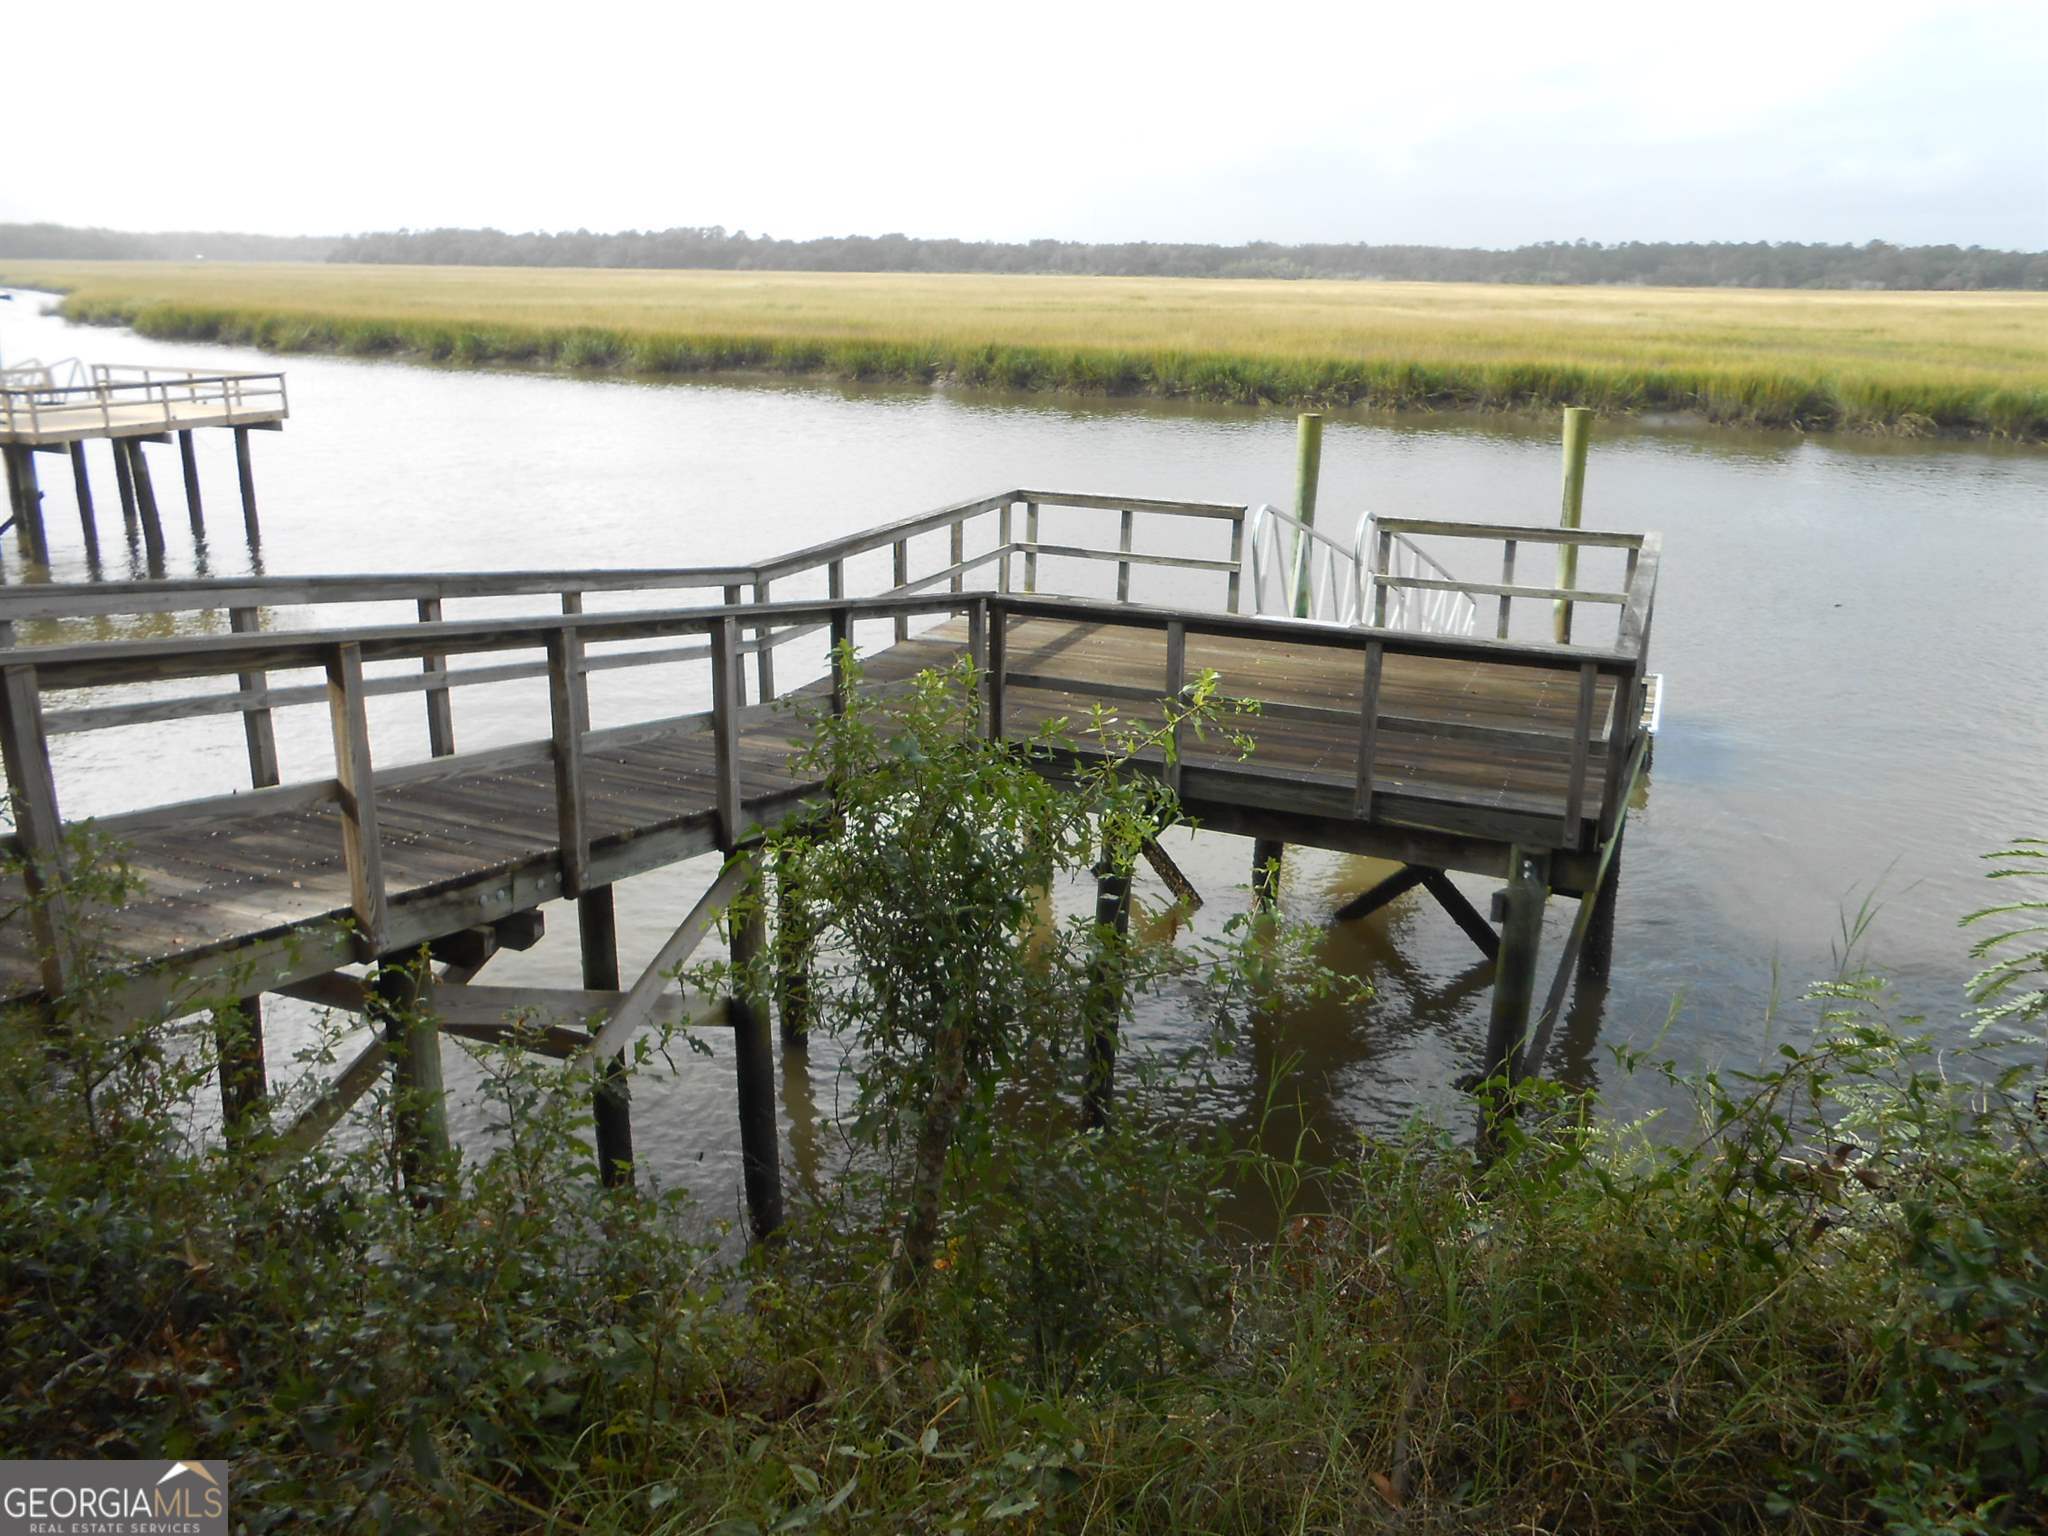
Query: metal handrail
x=1333 y=588
x=1424 y=611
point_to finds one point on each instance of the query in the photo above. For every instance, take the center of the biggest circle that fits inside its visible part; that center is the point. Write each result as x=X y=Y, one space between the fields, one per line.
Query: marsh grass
x=1972 y=364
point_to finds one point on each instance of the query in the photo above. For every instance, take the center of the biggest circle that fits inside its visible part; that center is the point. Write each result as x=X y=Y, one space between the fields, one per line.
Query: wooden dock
x=58 y=408
x=1501 y=758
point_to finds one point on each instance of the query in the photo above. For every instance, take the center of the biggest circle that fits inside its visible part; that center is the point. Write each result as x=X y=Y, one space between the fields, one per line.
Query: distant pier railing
x=120 y=399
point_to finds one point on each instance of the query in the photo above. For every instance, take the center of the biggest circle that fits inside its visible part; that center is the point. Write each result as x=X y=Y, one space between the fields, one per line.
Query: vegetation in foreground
x=1919 y=363
x=1823 y=1307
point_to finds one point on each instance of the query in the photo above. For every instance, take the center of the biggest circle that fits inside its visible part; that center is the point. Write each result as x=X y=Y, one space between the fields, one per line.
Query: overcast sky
x=1462 y=124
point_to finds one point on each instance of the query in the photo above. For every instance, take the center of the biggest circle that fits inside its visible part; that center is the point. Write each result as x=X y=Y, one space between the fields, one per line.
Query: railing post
x=977 y=649
x=360 y=844
x=1176 y=681
x=1578 y=432
x=1383 y=563
x=32 y=787
x=1123 y=567
x=732 y=600
x=572 y=604
x=998 y=665
x=1234 y=597
x=440 y=713
x=1030 y=546
x=956 y=550
x=1368 y=727
x=901 y=551
x=565 y=706
x=1507 y=579
x=1005 y=531
x=764 y=655
x=257 y=728
x=725 y=727
x=842 y=639
x=1582 y=747
x=1620 y=740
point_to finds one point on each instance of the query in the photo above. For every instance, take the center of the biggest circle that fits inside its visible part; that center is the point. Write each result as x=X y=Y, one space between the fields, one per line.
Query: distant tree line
x=62 y=242
x=1712 y=264
x=1729 y=264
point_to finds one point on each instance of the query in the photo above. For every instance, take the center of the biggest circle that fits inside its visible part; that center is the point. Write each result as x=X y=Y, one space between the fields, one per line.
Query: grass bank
x=1967 y=364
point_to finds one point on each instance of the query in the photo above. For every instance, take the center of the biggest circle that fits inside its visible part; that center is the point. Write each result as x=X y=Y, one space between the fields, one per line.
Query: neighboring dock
x=57 y=408
x=1445 y=752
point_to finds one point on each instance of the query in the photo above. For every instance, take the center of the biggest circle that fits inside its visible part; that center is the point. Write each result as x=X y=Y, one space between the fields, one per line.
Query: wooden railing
x=713 y=637
x=1381 y=580
x=145 y=395
x=243 y=600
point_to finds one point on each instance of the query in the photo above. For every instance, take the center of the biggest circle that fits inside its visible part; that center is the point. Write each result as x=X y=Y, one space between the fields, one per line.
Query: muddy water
x=1851 y=633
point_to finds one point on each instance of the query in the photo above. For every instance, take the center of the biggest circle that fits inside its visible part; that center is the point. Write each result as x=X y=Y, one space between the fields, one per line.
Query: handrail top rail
x=42 y=601
x=882 y=534
x=103 y=663
x=101 y=387
x=1529 y=533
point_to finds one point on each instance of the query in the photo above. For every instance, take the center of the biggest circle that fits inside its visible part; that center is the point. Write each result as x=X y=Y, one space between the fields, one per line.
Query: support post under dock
x=1106 y=993
x=1267 y=854
x=88 y=525
x=25 y=501
x=754 y=1069
x=239 y=1058
x=1514 y=973
x=247 y=476
x=597 y=931
x=794 y=942
x=195 y=509
x=419 y=1108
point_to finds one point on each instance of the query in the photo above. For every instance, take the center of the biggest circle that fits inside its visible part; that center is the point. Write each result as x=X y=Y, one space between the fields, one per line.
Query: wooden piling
x=238 y=1050
x=1578 y=432
x=793 y=945
x=419 y=1109
x=125 y=483
x=754 y=1069
x=88 y=527
x=188 y=461
x=1106 y=993
x=1514 y=973
x=1597 y=957
x=1308 y=468
x=597 y=931
x=247 y=476
x=1267 y=854
x=26 y=498
x=145 y=503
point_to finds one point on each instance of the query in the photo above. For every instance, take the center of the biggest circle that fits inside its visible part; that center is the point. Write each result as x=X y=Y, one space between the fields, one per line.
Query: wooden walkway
x=1511 y=759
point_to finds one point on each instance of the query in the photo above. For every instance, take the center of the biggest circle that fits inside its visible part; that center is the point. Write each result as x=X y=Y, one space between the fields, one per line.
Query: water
x=1851 y=633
